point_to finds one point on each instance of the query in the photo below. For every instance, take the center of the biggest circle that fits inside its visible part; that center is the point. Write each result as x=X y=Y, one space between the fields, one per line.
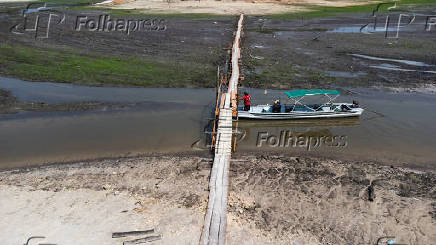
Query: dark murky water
x=166 y=120
x=396 y=128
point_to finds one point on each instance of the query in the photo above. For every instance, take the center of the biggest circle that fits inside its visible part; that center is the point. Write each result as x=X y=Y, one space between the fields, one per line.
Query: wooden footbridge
x=214 y=229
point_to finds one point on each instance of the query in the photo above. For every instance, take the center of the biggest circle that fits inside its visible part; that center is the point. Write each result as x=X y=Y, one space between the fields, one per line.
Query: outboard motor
x=355 y=104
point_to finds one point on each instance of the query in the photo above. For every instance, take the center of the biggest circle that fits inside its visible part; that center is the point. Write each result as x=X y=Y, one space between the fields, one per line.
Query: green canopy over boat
x=304 y=92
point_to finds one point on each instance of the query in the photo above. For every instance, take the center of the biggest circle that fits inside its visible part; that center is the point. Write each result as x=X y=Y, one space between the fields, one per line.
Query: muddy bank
x=278 y=52
x=334 y=51
x=6 y=98
x=273 y=200
x=169 y=51
x=58 y=102
x=10 y=104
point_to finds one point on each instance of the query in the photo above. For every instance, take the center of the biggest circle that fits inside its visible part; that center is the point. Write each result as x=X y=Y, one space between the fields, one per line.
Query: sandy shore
x=227 y=7
x=273 y=200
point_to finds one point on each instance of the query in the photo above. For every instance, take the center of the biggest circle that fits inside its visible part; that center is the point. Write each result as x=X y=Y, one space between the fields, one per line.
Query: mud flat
x=332 y=51
x=170 y=51
x=273 y=200
x=10 y=104
x=319 y=48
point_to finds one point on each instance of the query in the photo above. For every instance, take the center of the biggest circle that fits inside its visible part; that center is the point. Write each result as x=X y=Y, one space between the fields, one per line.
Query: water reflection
x=305 y=134
x=328 y=122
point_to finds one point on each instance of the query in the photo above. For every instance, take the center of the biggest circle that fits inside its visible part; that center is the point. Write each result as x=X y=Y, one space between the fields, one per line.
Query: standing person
x=247 y=101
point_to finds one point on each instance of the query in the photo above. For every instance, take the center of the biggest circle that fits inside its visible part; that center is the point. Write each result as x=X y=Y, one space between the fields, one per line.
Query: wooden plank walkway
x=215 y=223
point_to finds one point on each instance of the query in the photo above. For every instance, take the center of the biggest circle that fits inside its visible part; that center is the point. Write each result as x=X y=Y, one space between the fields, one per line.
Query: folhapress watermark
x=287 y=138
x=106 y=23
x=39 y=19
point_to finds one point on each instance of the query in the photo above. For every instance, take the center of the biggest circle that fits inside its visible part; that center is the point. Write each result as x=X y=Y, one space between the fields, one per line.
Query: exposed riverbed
x=273 y=199
x=278 y=193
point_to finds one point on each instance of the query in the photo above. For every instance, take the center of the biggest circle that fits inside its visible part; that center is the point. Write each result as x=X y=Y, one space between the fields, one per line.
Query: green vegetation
x=137 y=13
x=112 y=12
x=60 y=2
x=85 y=5
x=326 y=11
x=70 y=67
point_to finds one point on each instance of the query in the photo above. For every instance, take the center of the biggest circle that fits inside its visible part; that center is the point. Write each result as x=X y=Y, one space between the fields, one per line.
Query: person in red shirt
x=247 y=101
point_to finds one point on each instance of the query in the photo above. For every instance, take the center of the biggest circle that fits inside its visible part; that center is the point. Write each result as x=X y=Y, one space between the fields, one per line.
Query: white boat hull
x=264 y=112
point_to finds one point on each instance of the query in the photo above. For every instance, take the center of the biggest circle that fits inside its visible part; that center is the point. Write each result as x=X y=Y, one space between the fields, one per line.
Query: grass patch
x=87 y=5
x=55 y=66
x=138 y=13
x=113 y=12
x=68 y=2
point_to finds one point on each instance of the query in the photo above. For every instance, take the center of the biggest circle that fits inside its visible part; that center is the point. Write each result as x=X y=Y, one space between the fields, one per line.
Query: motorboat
x=296 y=109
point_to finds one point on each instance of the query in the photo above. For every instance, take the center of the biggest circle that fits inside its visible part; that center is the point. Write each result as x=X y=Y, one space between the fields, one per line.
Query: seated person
x=289 y=108
x=345 y=108
x=276 y=108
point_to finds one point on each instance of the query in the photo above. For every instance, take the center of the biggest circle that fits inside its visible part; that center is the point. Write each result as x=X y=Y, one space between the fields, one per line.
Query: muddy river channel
x=396 y=128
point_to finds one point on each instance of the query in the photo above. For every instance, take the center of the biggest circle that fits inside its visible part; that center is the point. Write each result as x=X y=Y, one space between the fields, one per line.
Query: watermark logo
x=387 y=240
x=32 y=238
x=287 y=138
x=38 y=19
x=430 y=21
x=392 y=26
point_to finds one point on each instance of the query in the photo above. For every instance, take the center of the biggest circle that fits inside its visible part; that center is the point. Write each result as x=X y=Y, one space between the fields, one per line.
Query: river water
x=396 y=128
